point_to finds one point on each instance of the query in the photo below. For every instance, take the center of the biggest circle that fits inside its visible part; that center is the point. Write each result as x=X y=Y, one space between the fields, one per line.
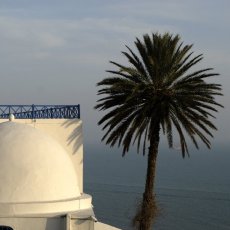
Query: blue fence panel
x=40 y=111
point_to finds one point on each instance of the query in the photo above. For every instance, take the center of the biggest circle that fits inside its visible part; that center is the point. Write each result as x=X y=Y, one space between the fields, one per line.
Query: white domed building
x=41 y=171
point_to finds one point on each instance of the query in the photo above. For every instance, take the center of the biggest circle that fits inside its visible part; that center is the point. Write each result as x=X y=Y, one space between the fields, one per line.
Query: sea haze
x=192 y=193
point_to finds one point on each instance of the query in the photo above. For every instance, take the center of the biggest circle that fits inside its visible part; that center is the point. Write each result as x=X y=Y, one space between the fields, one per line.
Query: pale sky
x=55 y=51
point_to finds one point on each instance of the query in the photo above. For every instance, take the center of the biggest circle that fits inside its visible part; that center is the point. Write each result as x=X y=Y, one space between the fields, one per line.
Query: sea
x=192 y=193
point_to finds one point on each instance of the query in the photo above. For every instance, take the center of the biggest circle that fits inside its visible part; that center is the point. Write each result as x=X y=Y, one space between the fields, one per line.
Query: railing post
x=32 y=111
x=78 y=111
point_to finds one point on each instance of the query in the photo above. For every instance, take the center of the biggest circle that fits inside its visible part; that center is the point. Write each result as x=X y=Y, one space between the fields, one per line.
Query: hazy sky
x=55 y=51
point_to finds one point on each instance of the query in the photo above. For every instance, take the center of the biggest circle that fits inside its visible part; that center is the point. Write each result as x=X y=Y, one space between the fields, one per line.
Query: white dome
x=34 y=168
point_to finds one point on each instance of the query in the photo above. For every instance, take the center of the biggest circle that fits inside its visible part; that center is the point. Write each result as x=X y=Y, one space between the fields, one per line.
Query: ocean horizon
x=192 y=193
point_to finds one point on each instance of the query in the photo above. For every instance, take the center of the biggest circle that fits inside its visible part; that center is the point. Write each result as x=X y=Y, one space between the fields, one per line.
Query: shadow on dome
x=76 y=135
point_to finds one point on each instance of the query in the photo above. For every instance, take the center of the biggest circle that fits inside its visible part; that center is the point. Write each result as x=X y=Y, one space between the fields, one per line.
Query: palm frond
x=158 y=88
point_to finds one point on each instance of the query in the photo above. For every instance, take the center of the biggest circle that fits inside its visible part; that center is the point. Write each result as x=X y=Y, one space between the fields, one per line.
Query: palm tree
x=155 y=92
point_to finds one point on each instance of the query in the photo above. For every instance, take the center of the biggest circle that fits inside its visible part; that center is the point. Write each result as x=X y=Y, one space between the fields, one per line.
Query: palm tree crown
x=157 y=90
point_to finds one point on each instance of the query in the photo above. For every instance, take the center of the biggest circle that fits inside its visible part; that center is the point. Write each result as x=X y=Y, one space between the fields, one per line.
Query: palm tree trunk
x=149 y=207
x=145 y=217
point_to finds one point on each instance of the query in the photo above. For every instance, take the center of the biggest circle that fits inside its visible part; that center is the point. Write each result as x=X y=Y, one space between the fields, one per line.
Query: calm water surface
x=193 y=193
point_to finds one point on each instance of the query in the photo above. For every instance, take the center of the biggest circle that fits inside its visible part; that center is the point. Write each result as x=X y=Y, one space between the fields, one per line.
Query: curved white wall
x=34 y=167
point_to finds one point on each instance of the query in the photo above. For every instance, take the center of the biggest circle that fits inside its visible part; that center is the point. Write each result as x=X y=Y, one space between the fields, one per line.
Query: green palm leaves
x=158 y=88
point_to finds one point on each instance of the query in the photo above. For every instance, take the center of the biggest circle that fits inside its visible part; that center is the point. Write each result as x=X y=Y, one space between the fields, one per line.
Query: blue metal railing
x=40 y=111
